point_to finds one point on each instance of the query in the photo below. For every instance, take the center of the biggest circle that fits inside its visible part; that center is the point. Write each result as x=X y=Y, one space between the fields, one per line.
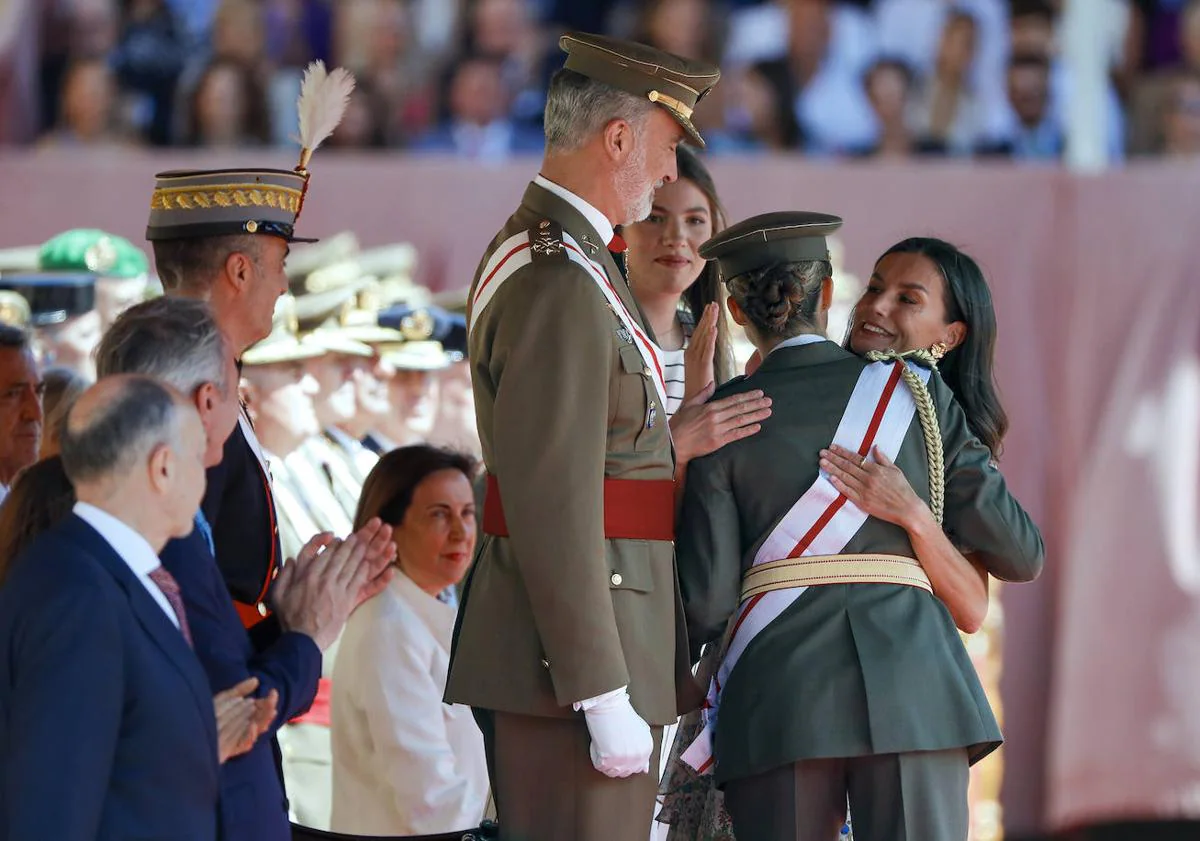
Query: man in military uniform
x=570 y=643
x=338 y=373
x=222 y=236
x=120 y=267
x=208 y=246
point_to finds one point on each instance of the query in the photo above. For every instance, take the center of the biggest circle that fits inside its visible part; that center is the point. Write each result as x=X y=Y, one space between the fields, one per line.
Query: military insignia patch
x=623 y=334
x=546 y=239
x=652 y=416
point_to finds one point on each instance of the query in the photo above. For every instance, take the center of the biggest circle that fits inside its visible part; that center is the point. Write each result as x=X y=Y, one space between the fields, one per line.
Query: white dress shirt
x=594 y=217
x=3 y=493
x=404 y=762
x=134 y=550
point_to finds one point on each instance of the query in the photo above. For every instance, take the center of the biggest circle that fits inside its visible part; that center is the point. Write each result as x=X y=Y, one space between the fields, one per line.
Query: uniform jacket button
x=616 y=579
x=545 y=663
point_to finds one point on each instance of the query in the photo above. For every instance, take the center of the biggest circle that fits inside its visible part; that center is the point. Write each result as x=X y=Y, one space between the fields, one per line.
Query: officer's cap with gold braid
x=675 y=83
x=206 y=203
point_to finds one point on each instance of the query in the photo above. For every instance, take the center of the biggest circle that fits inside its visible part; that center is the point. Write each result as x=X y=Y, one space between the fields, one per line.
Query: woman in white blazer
x=404 y=762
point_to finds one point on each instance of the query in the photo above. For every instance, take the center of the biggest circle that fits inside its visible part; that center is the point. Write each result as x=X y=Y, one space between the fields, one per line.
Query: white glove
x=621 y=740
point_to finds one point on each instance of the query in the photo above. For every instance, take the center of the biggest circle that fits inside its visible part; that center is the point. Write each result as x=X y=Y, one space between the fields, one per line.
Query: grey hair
x=176 y=340
x=578 y=108
x=142 y=415
x=193 y=264
x=14 y=338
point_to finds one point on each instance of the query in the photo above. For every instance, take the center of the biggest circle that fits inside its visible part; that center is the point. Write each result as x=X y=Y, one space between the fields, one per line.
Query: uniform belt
x=634 y=509
x=813 y=570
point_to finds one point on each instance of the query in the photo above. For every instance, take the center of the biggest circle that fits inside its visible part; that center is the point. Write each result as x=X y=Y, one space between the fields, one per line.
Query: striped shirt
x=672 y=361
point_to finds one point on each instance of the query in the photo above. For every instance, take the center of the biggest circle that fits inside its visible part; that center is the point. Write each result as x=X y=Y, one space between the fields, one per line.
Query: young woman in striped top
x=682 y=298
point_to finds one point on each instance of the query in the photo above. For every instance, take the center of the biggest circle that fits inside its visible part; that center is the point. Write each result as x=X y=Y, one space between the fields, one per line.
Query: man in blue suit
x=178 y=341
x=106 y=720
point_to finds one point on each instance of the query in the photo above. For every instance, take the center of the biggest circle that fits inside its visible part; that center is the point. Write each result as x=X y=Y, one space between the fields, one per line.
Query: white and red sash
x=821 y=522
x=516 y=253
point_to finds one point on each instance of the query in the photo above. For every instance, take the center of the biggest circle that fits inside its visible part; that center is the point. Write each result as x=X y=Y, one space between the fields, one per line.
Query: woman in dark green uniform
x=850 y=678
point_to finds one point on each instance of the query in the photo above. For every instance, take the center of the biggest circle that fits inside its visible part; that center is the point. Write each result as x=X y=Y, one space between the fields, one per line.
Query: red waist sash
x=634 y=509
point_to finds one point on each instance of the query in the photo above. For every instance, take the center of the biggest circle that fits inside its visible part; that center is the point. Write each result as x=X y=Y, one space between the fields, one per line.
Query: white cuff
x=588 y=703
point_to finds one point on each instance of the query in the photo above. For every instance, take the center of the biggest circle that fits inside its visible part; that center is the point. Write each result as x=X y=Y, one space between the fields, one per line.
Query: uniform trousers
x=893 y=797
x=546 y=788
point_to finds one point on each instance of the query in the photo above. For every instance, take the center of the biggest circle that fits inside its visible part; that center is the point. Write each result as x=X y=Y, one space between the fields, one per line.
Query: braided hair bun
x=782 y=299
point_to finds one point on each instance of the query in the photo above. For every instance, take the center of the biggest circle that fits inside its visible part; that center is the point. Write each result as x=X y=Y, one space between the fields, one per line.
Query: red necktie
x=166 y=582
x=618 y=247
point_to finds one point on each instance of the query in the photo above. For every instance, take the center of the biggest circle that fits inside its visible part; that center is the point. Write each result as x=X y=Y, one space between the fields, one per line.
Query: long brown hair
x=41 y=496
x=389 y=487
x=707 y=288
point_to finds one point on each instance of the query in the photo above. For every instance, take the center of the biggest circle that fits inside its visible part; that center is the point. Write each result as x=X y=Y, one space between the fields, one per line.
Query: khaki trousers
x=893 y=797
x=546 y=788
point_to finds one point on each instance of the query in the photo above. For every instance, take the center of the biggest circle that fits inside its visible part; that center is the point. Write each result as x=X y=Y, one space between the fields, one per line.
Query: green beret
x=93 y=251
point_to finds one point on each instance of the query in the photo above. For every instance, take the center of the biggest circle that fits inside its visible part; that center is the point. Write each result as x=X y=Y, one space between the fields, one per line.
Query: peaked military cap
x=769 y=238
x=424 y=355
x=675 y=83
x=210 y=203
x=53 y=297
x=420 y=323
x=217 y=202
x=93 y=251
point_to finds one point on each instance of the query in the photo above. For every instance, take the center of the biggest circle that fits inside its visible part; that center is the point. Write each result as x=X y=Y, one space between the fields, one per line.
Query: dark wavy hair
x=968 y=369
x=40 y=498
x=707 y=287
x=782 y=300
x=388 y=490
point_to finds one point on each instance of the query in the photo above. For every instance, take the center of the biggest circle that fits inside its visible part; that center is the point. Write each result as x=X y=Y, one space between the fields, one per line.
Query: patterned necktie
x=170 y=589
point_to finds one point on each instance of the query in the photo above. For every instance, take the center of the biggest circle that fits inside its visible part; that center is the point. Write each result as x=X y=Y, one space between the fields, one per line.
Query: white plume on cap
x=323 y=100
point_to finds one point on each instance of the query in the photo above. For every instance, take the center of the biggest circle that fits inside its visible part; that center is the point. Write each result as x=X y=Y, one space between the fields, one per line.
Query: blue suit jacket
x=106 y=720
x=253 y=804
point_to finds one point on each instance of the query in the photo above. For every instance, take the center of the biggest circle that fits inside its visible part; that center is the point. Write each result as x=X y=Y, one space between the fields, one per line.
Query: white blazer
x=404 y=762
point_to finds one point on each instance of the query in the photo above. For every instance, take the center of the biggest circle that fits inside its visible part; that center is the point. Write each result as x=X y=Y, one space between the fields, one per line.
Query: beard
x=637 y=197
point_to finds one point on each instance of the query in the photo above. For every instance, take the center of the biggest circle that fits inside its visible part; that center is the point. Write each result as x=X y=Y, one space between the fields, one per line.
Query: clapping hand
x=241 y=719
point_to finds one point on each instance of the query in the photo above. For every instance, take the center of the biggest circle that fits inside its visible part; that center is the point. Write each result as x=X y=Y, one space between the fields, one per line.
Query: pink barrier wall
x=1099 y=316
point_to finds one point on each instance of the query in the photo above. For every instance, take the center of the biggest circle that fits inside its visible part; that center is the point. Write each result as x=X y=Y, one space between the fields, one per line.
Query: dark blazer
x=851 y=669
x=242 y=514
x=253 y=804
x=107 y=728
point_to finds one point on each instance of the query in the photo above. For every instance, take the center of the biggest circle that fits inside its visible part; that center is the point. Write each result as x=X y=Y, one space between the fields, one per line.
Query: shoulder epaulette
x=546 y=241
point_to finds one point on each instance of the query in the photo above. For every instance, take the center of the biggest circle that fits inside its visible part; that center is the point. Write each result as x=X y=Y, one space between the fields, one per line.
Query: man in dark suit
x=106 y=720
x=178 y=341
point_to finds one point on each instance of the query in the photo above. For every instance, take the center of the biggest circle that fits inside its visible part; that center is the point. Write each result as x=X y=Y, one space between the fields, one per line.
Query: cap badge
x=101 y=256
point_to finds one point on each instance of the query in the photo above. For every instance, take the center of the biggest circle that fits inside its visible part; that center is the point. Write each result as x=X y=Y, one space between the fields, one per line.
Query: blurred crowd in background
x=827 y=78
